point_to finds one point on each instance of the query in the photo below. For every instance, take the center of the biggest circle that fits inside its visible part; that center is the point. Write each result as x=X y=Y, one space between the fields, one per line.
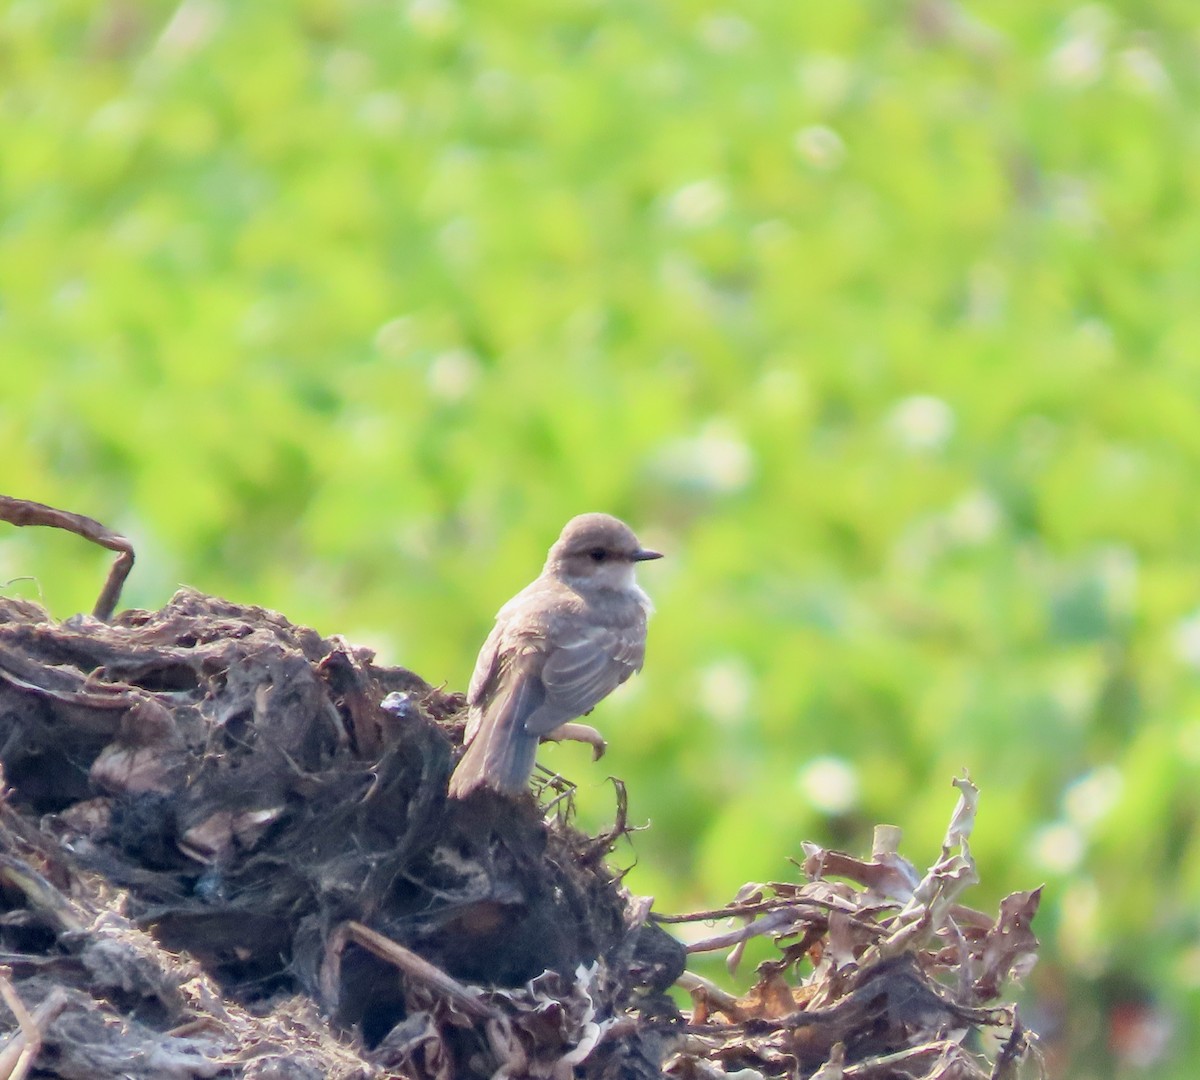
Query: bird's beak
x=645 y=555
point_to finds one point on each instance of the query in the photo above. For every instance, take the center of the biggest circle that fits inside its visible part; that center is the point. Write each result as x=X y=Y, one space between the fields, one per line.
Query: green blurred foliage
x=880 y=319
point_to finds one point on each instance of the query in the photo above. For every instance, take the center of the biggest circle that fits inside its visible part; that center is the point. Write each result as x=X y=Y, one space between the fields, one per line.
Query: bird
x=561 y=645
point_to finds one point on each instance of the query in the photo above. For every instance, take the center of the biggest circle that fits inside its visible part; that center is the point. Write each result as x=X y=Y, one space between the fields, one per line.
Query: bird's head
x=599 y=551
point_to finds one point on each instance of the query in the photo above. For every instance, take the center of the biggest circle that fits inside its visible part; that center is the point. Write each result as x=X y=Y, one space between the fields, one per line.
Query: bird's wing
x=485 y=666
x=500 y=753
x=510 y=656
x=582 y=669
x=483 y=680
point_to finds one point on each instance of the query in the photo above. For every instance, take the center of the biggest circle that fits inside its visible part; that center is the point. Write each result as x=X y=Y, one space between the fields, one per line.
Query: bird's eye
x=597 y=554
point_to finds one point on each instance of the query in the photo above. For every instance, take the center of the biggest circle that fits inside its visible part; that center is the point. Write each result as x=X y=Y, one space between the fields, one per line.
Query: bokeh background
x=880 y=317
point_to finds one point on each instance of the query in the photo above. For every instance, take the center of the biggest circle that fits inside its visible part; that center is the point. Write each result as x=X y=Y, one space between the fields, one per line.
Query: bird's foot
x=579 y=733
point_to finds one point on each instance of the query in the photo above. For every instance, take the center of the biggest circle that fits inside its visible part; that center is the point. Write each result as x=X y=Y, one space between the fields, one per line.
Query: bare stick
x=23 y=1045
x=22 y=512
x=63 y=684
x=720 y=999
x=418 y=969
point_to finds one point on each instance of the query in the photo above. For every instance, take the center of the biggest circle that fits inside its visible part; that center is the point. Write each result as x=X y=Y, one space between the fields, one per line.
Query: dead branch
x=19 y=1051
x=412 y=966
x=22 y=512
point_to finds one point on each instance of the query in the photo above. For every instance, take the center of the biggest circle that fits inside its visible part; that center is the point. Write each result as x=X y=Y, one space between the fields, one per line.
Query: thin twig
x=40 y=895
x=719 y=999
x=21 y=512
x=418 y=969
x=19 y=669
x=23 y=1045
x=886 y=1064
x=821 y=906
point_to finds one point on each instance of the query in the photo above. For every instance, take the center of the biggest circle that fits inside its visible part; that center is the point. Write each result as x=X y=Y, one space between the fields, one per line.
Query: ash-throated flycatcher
x=564 y=642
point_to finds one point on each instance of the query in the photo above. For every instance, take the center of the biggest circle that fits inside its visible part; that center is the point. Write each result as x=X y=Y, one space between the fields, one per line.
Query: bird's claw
x=579 y=733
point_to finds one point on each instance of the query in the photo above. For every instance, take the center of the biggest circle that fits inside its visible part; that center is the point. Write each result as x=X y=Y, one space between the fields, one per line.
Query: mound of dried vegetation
x=226 y=851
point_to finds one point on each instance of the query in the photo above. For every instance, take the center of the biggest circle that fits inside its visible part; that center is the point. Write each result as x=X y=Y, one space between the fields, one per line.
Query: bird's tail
x=501 y=755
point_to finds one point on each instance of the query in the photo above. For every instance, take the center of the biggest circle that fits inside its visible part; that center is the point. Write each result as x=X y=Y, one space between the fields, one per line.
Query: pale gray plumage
x=564 y=642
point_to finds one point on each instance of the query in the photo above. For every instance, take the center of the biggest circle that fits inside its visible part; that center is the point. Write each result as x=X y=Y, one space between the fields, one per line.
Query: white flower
x=716 y=460
x=1079 y=58
x=726 y=33
x=1058 y=847
x=921 y=422
x=1187 y=639
x=396 y=337
x=820 y=146
x=724 y=690
x=1089 y=799
x=1189 y=742
x=457 y=241
x=974 y=519
x=830 y=784
x=1145 y=70
x=382 y=113
x=1118 y=569
x=825 y=80
x=698 y=204
x=433 y=18
x=452 y=374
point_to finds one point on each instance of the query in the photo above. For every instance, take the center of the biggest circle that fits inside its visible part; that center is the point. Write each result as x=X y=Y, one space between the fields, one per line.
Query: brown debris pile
x=215 y=834
x=226 y=851
x=880 y=972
